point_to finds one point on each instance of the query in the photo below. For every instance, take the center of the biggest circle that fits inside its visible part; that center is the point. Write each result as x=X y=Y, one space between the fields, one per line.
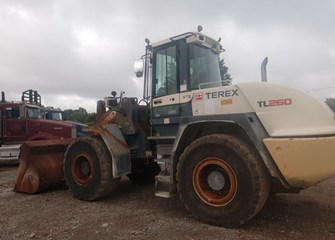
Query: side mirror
x=139 y=68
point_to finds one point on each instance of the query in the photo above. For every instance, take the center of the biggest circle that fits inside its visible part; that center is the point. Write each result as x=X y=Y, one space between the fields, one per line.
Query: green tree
x=79 y=115
x=224 y=72
x=67 y=113
x=90 y=118
x=331 y=103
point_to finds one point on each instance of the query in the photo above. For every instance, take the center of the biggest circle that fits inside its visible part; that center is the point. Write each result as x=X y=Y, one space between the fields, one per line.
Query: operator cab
x=174 y=68
x=186 y=62
x=22 y=111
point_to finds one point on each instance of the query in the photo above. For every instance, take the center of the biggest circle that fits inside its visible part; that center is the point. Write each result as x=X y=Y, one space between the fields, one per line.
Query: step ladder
x=164 y=183
x=164 y=186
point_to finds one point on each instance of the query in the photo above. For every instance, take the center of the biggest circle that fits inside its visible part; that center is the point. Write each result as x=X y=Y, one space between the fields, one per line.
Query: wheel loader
x=221 y=147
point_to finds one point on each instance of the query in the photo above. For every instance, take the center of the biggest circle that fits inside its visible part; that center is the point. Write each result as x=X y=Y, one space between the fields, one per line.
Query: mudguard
x=108 y=128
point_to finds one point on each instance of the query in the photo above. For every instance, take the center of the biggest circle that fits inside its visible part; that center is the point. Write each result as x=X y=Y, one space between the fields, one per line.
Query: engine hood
x=286 y=111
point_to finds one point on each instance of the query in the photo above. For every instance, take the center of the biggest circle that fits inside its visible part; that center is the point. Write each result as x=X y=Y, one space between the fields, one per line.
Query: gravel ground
x=133 y=212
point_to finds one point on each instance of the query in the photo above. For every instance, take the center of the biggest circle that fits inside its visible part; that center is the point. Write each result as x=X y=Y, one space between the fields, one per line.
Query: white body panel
x=210 y=101
x=285 y=111
x=166 y=100
x=218 y=101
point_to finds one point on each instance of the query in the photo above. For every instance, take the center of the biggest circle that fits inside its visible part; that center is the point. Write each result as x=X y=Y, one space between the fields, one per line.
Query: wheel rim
x=82 y=169
x=215 y=182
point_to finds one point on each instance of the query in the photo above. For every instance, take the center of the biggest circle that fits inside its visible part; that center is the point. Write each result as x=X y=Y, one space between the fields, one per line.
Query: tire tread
x=258 y=171
x=106 y=183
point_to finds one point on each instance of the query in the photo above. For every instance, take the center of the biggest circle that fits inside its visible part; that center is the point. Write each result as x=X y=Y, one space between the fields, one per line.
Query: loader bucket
x=41 y=165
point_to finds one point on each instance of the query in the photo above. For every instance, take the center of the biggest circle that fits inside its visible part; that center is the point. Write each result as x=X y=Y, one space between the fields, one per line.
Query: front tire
x=222 y=180
x=88 y=169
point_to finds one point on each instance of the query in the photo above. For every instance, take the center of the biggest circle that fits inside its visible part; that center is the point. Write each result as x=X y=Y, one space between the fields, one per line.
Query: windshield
x=33 y=112
x=204 y=67
x=55 y=116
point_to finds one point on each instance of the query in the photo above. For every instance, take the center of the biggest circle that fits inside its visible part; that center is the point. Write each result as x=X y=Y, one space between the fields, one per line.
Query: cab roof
x=196 y=38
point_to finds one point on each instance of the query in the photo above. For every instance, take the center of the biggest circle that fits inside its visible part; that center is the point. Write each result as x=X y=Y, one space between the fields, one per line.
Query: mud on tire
x=222 y=180
x=88 y=169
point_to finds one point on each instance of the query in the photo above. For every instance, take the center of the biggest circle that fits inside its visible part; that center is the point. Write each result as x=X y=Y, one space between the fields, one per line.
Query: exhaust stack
x=263 y=70
x=3 y=99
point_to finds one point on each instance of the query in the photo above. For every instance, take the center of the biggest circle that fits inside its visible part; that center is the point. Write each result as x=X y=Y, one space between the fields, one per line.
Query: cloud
x=76 y=52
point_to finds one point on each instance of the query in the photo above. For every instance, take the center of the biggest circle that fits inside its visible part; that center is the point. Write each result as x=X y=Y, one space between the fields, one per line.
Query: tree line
x=79 y=115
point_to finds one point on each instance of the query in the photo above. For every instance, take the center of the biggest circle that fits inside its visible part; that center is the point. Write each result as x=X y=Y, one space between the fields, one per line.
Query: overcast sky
x=76 y=52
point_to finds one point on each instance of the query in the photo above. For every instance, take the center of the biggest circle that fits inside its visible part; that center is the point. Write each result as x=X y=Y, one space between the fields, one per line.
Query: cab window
x=33 y=112
x=204 y=70
x=166 y=72
x=13 y=113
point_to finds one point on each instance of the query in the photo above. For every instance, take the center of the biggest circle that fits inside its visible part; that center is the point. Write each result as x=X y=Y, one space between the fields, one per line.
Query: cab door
x=169 y=80
x=15 y=129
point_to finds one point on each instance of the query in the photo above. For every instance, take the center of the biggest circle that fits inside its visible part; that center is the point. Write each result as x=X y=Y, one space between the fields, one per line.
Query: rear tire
x=222 y=180
x=88 y=169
